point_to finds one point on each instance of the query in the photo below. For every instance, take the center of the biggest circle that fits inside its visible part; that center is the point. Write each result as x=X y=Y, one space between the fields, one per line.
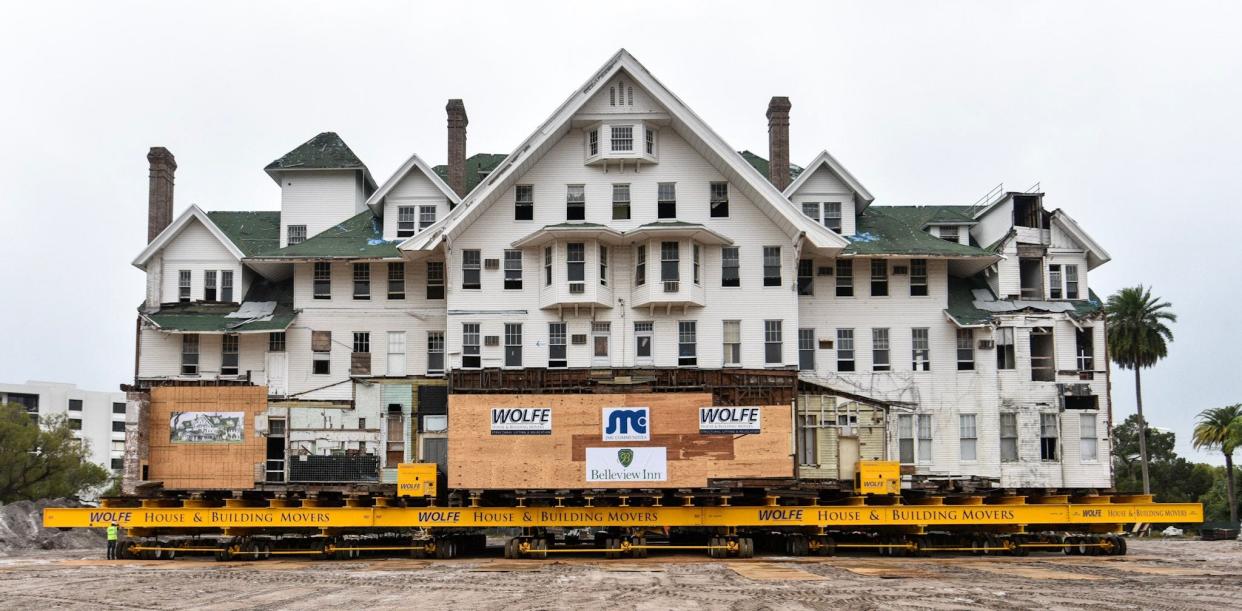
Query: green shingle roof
x=213 y=317
x=478 y=166
x=761 y=164
x=360 y=237
x=325 y=151
x=252 y=232
x=898 y=230
x=963 y=310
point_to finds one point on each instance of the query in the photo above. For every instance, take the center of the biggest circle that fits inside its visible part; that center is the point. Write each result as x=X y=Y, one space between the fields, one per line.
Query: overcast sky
x=1128 y=114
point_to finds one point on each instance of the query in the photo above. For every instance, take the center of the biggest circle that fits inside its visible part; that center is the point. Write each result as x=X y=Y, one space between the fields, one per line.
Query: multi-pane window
x=845 y=277
x=670 y=262
x=362 y=342
x=719 y=201
x=513 y=344
x=666 y=200
x=575 y=203
x=880 y=360
x=183 y=285
x=687 y=348
x=808 y=439
x=228 y=354
x=845 y=349
x=732 y=342
x=806 y=349
x=771 y=266
x=879 y=278
x=918 y=277
x=1071 y=282
x=471 y=260
x=920 y=349
x=1048 y=436
x=806 y=277
x=547 y=266
x=575 y=266
x=811 y=209
x=640 y=266
x=965 y=349
x=323 y=280
x=276 y=341
x=407 y=222
x=593 y=142
x=644 y=333
x=209 y=285
x=556 y=345
x=968 y=436
x=226 y=285
x=1085 y=348
x=695 y=259
x=949 y=233
x=622 y=138
x=1009 y=437
x=435 y=280
x=772 y=347
x=1088 y=443
x=603 y=265
x=621 y=202
x=513 y=269
x=600 y=333
x=435 y=352
x=832 y=216
x=650 y=134
x=396 y=280
x=905 y=438
x=524 y=203
x=362 y=281
x=321 y=352
x=296 y=234
x=729 y=267
x=1054 y=282
x=426 y=217
x=470 y=350
x=1005 y=357
x=925 y=438
x=189 y=355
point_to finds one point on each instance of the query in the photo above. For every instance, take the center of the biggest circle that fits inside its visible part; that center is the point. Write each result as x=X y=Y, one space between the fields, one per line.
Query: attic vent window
x=949 y=233
x=297 y=234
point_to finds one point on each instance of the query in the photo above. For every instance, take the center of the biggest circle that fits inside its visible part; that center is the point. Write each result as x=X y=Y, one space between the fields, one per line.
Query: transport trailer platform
x=1086 y=514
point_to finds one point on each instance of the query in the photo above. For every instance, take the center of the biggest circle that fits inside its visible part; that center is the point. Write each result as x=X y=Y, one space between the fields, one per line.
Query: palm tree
x=1138 y=338
x=1221 y=428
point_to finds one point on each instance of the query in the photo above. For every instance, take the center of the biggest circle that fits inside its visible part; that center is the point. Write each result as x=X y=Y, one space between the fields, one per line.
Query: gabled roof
x=326 y=151
x=1096 y=256
x=761 y=164
x=376 y=201
x=824 y=159
x=898 y=230
x=359 y=237
x=478 y=166
x=254 y=232
x=191 y=214
x=727 y=161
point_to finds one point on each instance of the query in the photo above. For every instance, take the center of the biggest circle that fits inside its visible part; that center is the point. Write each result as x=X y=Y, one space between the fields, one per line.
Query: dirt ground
x=1155 y=575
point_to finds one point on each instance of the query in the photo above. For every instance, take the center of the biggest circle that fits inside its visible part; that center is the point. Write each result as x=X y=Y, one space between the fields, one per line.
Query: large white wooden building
x=625 y=234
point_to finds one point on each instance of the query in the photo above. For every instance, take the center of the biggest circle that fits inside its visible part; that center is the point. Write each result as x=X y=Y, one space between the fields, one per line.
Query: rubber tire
x=508 y=549
x=713 y=552
x=1121 y=545
x=746 y=547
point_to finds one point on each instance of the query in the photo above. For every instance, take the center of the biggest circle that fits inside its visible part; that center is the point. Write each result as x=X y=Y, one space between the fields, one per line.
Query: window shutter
x=321 y=341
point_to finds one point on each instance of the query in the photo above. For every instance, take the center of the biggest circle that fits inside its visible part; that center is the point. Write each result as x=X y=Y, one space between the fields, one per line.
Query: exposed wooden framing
x=728 y=386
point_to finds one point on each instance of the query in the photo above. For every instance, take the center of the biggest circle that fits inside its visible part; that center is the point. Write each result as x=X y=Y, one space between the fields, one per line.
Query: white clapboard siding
x=195 y=249
x=414 y=190
x=318 y=199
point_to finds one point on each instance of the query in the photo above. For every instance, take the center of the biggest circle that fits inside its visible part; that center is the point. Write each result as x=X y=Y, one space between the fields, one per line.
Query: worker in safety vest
x=112 y=532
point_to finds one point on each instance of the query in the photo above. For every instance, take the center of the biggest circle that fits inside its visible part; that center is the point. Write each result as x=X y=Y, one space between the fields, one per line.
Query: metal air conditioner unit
x=987 y=344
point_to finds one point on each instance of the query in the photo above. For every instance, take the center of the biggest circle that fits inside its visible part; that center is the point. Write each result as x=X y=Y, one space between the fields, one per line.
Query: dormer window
x=622 y=138
x=949 y=233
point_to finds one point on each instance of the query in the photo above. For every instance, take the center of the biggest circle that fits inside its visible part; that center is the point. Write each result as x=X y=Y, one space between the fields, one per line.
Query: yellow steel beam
x=721 y=516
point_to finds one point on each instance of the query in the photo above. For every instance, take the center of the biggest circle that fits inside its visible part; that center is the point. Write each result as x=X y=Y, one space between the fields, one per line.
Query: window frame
x=835 y=207
x=362 y=281
x=230 y=354
x=644 y=329
x=924 y=443
x=1093 y=455
x=846 y=355
x=471 y=345
x=920 y=336
x=602 y=254
x=1049 y=445
x=407 y=221
x=435 y=280
x=578 y=286
x=321 y=280
x=718 y=200
x=396 y=280
x=185 y=284
x=670 y=265
x=687 y=343
x=226 y=286
x=666 y=201
x=906 y=439
x=965 y=349
x=881 y=336
x=1056 y=287
x=773 y=338
x=806 y=349
x=524 y=202
x=732 y=356
x=968 y=436
x=575 y=202
x=640 y=265
x=426 y=216
x=209 y=285
x=558 y=342
x=621 y=138
x=435 y=345
x=1071 y=284
x=879 y=277
x=1006 y=350
x=190 y=355
x=806 y=277
x=295 y=231
x=918 y=278
x=730 y=275
x=471 y=267
x=277 y=341
x=621 y=201
x=513 y=345
x=771 y=263
x=1008 y=431
x=845 y=281
x=512 y=270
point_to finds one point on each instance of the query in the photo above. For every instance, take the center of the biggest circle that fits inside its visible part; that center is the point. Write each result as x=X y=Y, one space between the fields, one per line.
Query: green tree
x=1137 y=338
x=1173 y=478
x=42 y=460
x=1220 y=428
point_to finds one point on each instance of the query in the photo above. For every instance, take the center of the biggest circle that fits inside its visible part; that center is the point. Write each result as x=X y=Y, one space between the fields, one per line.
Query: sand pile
x=21 y=528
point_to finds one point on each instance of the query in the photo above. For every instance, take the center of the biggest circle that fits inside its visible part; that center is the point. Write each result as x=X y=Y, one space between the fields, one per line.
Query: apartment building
x=624 y=241
x=97 y=418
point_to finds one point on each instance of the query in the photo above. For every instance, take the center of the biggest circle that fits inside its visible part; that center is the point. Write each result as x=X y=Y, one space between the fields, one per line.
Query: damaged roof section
x=360 y=237
x=898 y=230
x=267 y=307
x=972 y=304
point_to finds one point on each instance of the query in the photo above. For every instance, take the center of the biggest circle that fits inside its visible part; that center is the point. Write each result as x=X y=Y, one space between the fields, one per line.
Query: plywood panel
x=201 y=466
x=480 y=460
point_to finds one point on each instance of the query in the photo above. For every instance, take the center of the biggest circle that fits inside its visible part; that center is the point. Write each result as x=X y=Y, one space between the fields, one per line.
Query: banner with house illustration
x=206 y=427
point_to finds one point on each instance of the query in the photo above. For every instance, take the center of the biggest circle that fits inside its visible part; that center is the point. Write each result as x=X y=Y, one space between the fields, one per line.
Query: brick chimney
x=778 y=141
x=160 y=190
x=457 y=122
